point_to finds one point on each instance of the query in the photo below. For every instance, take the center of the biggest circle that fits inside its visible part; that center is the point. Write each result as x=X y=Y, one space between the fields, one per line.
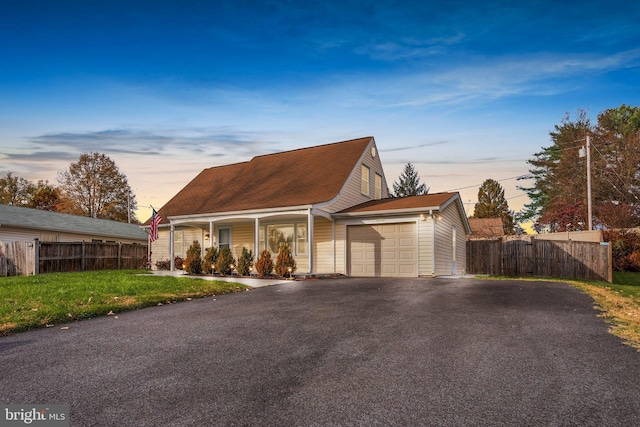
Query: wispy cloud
x=409 y=48
x=214 y=143
x=429 y=144
x=495 y=78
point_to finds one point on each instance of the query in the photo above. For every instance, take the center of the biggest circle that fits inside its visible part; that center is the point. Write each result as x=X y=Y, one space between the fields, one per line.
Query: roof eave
x=400 y=211
x=247 y=213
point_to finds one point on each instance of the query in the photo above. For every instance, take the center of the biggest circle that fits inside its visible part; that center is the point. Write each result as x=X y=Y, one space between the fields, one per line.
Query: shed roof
x=291 y=178
x=37 y=219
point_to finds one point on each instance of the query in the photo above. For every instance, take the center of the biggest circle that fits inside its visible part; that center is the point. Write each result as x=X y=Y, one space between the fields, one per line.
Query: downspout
x=433 y=244
x=171 y=252
x=333 y=244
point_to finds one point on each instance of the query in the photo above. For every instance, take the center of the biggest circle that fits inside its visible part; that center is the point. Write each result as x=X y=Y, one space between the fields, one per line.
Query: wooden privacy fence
x=535 y=257
x=17 y=258
x=58 y=257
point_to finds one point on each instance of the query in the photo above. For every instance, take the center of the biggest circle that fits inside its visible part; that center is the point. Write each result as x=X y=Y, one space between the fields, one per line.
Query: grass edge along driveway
x=46 y=300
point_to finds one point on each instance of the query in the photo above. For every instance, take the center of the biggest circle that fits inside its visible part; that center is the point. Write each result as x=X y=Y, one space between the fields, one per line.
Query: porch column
x=256 y=238
x=310 y=240
x=171 y=254
x=210 y=234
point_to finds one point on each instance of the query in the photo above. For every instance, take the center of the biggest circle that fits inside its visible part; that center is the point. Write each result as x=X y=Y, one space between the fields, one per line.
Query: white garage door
x=385 y=250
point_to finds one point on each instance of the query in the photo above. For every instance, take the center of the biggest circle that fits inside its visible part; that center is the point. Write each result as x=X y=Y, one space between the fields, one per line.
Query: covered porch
x=310 y=234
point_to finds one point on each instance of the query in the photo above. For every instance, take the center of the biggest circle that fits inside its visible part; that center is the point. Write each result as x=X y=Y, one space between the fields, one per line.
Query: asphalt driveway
x=338 y=352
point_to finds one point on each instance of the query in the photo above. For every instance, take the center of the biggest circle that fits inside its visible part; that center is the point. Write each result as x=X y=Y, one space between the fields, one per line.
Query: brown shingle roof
x=426 y=201
x=291 y=178
x=486 y=228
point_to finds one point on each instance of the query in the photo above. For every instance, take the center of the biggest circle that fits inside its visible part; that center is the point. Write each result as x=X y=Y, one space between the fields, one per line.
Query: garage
x=382 y=250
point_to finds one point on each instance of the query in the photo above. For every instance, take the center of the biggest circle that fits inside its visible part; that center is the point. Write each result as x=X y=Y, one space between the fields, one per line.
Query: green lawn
x=627 y=284
x=50 y=299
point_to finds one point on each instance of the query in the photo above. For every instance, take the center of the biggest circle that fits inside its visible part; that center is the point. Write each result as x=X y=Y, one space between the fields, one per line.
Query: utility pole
x=587 y=152
x=589 y=213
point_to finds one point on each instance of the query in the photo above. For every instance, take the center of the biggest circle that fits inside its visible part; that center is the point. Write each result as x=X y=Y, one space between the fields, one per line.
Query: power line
x=499 y=180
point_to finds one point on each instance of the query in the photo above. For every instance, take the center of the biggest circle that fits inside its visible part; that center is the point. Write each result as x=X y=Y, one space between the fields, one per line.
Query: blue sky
x=464 y=90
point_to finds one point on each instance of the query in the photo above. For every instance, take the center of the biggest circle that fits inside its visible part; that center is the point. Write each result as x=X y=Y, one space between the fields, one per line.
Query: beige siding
x=10 y=234
x=189 y=235
x=351 y=194
x=160 y=248
x=322 y=246
x=447 y=220
x=340 y=244
x=241 y=237
x=425 y=247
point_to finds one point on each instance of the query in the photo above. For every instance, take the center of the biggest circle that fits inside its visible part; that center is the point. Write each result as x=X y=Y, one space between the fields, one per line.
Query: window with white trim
x=301 y=239
x=177 y=242
x=378 y=185
x=364 y=180
x=224 y=238
x=294 y=235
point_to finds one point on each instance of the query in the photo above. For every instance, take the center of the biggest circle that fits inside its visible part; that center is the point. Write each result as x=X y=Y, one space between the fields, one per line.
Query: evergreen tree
x=493 y=204
x=409 y=184
x=558 y=195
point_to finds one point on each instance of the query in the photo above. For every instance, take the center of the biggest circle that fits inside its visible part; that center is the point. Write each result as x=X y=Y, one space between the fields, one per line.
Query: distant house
x=330 y=203
x=22 y=224
x=486 y=228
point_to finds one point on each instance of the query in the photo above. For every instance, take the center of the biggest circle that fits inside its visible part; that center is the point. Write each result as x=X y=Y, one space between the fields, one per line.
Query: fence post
x=36 y=256
x=500 y=255
x=83 y=256
x=119 y=255
x=534 y=255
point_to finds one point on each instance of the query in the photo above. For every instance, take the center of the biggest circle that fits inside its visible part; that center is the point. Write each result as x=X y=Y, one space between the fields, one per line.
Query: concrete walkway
x=254 y=282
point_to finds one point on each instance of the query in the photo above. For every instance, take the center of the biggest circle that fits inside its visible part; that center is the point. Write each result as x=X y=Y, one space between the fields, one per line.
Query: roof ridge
x=312 y=147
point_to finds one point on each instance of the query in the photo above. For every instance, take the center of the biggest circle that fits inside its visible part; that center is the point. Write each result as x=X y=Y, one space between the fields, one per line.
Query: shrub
x=193 y=262
x=264 y=264
x=165 y=264
x=209 y=261
x=625 y=248
x=245 y=262
x=285 y=264
x=225 y=261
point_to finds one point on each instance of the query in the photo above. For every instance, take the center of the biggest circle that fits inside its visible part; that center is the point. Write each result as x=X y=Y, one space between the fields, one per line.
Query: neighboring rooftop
x=291 y=178
x=486 y=228
x=19 y=217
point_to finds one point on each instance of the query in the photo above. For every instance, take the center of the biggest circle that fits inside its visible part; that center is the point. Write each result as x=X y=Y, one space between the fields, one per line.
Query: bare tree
x=95 y=187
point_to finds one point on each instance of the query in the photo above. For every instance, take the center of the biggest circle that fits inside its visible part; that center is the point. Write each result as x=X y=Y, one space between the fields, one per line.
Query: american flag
x=155 y=221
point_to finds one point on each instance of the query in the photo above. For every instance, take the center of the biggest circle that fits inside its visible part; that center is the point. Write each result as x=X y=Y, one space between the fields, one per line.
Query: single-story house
x=331 y=203
x=24 y=224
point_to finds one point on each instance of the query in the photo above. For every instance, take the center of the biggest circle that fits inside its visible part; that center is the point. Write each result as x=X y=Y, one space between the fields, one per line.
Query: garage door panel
x=406 y=256
x=382 y=250
x=406 y=227
x=406 y=242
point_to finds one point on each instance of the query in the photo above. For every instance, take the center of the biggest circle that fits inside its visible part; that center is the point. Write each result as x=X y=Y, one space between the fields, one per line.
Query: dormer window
x=364 y=183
